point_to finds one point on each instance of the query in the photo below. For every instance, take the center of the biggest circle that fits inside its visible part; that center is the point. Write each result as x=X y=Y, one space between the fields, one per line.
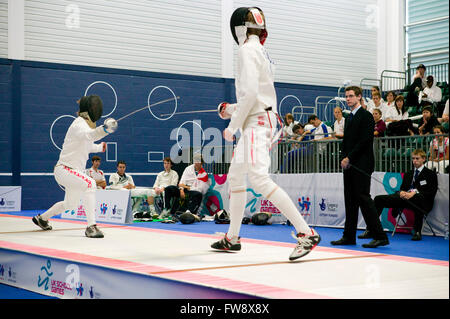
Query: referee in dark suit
x=358 y=164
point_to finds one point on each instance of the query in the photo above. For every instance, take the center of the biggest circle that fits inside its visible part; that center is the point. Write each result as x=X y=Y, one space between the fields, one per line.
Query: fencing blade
x=190 y=112
x=147 y=106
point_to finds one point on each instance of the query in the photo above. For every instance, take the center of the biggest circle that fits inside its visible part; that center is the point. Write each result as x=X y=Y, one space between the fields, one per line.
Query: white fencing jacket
x=255 y=90
x=78 y=143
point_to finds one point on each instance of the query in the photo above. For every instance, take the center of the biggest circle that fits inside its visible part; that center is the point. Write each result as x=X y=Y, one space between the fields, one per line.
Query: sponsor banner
x=319 y=198
x=68 y=279
x=10 y=198
x=112 y=206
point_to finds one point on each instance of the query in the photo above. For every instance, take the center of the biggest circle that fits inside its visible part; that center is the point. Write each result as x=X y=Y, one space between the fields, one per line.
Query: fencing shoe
x=228 y=244
x=153 y=212
x=93 y=232
x=305 y=243
x=41 y=223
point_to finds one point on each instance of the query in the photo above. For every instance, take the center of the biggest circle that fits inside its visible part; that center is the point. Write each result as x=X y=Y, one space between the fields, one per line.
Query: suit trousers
x=394 y=201
x=357 y=196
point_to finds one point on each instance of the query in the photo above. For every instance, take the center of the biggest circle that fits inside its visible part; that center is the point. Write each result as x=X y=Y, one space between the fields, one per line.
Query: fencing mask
x=222 y=217
x=261 y=218
x=246 y=18
x=92 y=106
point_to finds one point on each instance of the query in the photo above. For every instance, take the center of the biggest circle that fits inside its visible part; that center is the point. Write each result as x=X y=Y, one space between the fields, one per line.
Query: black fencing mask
x=93 y=106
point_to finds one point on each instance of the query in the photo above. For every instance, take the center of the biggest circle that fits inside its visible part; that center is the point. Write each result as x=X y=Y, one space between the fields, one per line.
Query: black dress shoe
x=417 y=237
x=376 y=242
x=343 y=241
x=365 y=235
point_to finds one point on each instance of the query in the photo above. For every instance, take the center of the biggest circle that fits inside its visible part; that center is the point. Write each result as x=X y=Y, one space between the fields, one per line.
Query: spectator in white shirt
x=194 y=184
x=431 y=93
x=374 y=90
x=166 y=179
x=288 y=125
x=397 y=120
x=96 y=173
x=377 y=104
x=390 y=101
x=321 y=132
x=339 y=123
x=122 y=181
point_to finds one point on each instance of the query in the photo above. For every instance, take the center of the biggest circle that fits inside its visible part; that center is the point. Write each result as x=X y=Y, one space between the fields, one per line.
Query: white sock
x=56 y=209
x=283 y=202
x=238 y=199
x=89 y=207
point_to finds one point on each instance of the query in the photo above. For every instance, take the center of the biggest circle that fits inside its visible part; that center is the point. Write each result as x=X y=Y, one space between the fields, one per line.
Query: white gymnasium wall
x=173 y=36
x=3 y=28
x=320 y=42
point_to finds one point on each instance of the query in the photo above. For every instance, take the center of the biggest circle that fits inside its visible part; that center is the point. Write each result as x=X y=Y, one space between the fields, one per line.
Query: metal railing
x=392 y=154
x=324 y=106
x=438 y=71
x=392 y=80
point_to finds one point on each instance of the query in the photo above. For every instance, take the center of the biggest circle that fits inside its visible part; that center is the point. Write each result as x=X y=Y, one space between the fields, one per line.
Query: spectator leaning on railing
x=438 y=151
x=339 y=123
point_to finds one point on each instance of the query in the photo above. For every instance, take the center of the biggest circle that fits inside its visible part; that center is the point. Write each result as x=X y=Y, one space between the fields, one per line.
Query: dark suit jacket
x=358 y=141
x=426 y=184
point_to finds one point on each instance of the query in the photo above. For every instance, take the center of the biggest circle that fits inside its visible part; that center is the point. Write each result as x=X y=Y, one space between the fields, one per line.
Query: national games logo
x=103 y=208
x=305 y=204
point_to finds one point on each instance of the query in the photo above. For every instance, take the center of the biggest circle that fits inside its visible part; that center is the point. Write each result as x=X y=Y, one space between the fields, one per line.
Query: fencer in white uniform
x=69 y=171
x=254 y=115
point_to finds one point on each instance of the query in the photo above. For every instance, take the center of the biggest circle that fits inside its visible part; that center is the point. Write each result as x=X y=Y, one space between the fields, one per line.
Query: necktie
x=416 y=174
x=350 y=116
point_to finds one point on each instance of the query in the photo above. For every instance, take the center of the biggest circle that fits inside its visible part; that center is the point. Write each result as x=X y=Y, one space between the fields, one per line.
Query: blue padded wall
x=49 y=91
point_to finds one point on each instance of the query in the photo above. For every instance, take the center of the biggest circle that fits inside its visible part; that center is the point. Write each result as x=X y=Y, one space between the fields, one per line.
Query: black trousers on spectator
x=357 y=195
x=172 y=199
x=394 y=201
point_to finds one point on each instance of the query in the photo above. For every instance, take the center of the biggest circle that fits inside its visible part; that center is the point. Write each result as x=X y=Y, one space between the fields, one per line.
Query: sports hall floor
x=407 y=269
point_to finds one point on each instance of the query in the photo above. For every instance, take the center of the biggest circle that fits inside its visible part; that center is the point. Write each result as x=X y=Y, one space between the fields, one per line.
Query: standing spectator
x=96 y=173
x=428 y=121
x=358 y=163
x=339 y=123
x=438 y=151
x=418 y=84
x=322 y=131
x=289 y=124
x=380 y=126
x=300 y=134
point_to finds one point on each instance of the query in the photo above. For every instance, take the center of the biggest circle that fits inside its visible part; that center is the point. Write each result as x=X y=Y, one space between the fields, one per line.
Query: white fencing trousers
x=252 y=158
x=78 y=186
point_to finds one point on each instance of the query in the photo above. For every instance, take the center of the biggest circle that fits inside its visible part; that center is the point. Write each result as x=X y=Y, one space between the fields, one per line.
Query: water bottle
x=446 y=231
